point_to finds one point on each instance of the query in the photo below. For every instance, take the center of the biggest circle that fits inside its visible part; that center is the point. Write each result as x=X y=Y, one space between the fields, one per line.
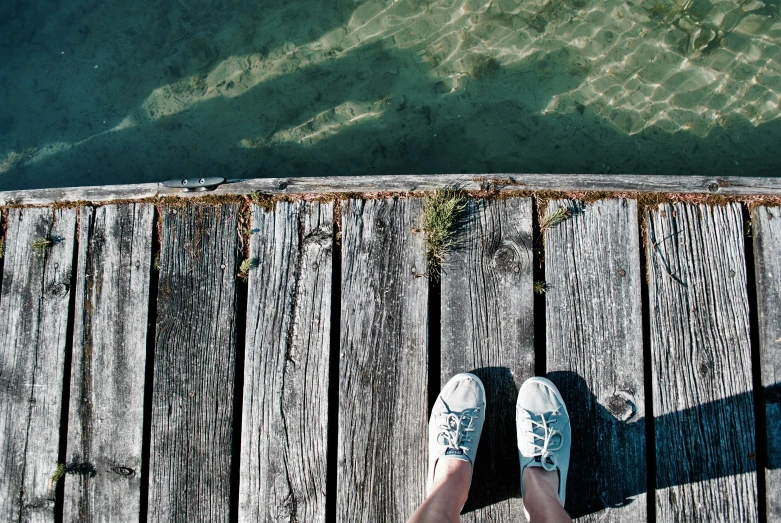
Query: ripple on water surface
x=99 y=93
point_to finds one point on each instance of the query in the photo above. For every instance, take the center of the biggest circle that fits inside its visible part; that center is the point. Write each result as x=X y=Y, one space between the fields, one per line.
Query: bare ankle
x=538 y=482
x=452 y=476
x=541 y=495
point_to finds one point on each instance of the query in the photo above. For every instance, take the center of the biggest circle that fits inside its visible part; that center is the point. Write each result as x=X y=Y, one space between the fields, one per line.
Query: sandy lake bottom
x=127 y=92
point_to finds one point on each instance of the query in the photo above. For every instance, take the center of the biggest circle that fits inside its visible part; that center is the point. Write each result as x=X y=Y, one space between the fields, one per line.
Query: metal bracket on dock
x=195 y=184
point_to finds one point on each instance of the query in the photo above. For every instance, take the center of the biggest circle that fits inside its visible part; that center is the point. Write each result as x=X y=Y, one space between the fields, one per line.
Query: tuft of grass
x=2 y=248
x=156 y=262
x=540 y=287
x=245 y=267
x=560 y=215
x=59 y=472
x=40 y=244
x=440 y=214
x=267 y=202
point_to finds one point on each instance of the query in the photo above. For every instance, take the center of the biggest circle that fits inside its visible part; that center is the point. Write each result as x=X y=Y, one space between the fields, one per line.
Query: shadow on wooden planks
x=491 y=485
x=708 y=460
x=705 y=462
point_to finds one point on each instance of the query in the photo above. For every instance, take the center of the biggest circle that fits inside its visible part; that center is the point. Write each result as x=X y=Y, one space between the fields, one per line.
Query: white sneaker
x=456 y=422
x=544 y=432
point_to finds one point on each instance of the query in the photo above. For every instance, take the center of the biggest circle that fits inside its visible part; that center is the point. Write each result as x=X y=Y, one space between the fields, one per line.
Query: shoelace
x=453 y=432
x=545 y=451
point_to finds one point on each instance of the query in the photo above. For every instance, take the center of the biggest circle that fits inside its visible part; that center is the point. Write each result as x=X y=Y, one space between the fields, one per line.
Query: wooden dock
x=270 y=352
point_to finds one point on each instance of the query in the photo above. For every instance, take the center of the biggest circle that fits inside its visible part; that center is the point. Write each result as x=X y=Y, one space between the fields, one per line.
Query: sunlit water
x=95 y=92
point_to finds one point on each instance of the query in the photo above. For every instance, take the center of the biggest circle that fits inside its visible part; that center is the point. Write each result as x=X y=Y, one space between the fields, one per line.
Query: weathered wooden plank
x=383 y=374
x=488 y=328
x=106 y=415
x=726 y=185
x=195 y=352
x=33 y=329
x=593 y=314
x=3 y=221
x=285 y=413
x=701 y=364
x=767 y=259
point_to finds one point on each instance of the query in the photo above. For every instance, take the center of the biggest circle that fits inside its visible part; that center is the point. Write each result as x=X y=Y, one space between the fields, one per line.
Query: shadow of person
x=609 y=467
x=608 y=464
x=597 y=479
x=496 y=476
x=772 y=401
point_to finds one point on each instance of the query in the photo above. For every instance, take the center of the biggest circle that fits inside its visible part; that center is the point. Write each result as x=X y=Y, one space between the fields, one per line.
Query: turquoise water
x=97 y=92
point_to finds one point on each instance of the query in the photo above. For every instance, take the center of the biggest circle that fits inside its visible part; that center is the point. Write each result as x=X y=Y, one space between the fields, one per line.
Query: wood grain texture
x=105 y=427
x=33 y=329
x=383 y=373
x=487 y=328
x=594 y=321
x=195 y=353
x=2 y=248
x=285 y=412
x=701 y=364
x=726 y=185
x=767 y=259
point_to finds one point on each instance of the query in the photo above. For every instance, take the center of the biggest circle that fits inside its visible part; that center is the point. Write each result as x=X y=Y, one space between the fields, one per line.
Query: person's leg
x=541 y=497
x=544 y=440
x=448 y=493
x=454 y=431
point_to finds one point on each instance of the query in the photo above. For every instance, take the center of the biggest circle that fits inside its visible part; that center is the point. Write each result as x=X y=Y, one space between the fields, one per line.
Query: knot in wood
x=123 y=471
x=59 y=290
x=621 y=405
x=504 y=258
x=713 y=186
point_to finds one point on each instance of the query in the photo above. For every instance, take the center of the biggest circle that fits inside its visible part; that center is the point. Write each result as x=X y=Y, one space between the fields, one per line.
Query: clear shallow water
x=96 y=92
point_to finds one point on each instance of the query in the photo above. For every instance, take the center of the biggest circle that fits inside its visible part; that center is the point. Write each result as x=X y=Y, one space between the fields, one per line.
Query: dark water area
x=98 y=93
